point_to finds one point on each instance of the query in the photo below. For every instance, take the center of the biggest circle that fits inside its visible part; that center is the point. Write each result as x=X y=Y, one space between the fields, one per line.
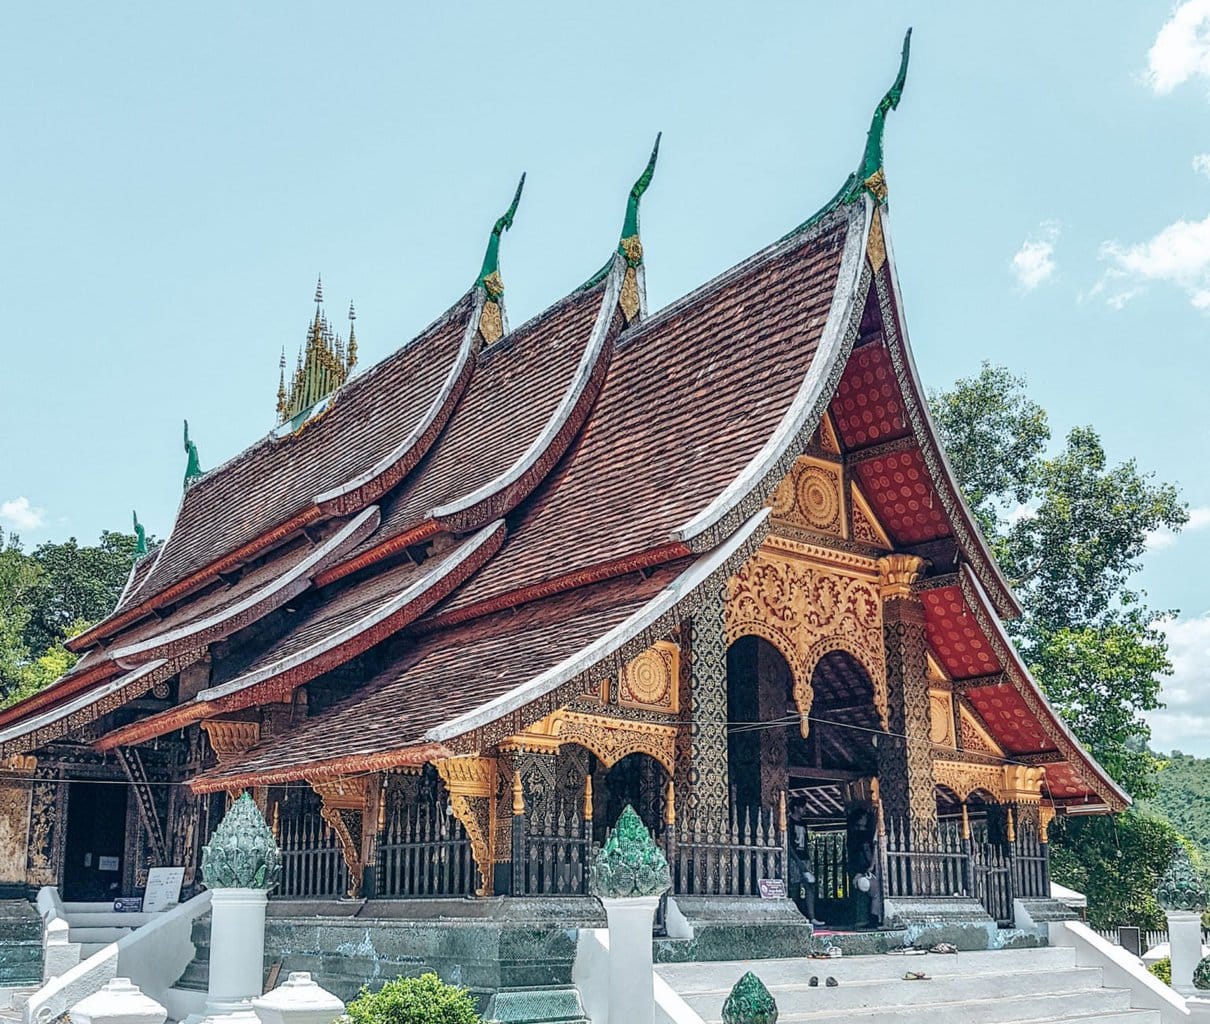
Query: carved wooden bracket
x=229 y=737
x=609 y=738
x=471 y=784
x=897 y=573
x=344 y=800
x=1013 y=783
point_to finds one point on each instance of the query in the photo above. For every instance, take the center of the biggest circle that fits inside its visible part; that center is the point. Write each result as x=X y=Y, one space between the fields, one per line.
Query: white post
x=631 y=970
x=118 y=1002
x=1185 y=948
x=237 y=949
x=1199 y=1009
x=298 y=1000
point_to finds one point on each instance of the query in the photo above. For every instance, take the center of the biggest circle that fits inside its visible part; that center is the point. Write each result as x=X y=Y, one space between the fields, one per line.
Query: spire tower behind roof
x=323 y=364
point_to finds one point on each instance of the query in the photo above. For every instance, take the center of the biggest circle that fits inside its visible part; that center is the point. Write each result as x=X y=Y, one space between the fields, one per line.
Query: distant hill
x=1183 y=798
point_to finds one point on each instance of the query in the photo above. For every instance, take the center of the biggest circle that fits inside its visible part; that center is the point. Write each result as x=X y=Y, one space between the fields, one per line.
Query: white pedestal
x=118 y=1002
x=1185 y=946
x=1199 y=1008
x=237 y=950
x=298 y=1000
x=631 y=973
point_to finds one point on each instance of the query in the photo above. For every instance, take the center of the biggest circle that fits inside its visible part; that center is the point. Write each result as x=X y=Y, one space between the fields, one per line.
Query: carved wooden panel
x=807 y=610
x=812 y=496
x=941 y=717
x=651 y=679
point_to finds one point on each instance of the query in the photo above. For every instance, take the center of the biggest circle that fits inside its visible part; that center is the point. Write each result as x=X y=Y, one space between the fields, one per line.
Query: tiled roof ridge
x=469 y=302
x=749 y=489
x=396 y=612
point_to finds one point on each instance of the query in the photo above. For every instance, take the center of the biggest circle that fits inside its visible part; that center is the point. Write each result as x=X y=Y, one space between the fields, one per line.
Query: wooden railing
x=312 y=858
x=713 y=855
x=556 y=852
x=424 y=851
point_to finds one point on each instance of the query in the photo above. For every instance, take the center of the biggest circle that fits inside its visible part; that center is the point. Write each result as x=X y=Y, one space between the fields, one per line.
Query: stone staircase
x=95 y=925
x=992 y=987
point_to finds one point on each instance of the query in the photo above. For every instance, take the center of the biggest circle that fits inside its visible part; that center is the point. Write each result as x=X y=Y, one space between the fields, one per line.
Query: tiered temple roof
x=489 y=522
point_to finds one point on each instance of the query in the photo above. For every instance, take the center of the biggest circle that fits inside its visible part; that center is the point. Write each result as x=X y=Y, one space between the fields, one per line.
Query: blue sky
x=176 y=175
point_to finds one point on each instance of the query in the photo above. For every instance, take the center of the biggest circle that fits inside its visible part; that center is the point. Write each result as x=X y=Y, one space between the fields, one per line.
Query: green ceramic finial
x=867 y=176
x=629 y=864
x=750 y=1003
x=193 y=467
x=630 y=227
x=242 y=853
x=140 y=544
x=489 y=276
x=1180 y=887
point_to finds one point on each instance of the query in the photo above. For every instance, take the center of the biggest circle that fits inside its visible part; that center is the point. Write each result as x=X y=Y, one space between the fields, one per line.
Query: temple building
x=463 y=606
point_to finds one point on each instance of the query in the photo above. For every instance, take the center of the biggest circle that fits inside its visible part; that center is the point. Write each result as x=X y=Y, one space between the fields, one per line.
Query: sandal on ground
x=943 y=947
x=916 y=976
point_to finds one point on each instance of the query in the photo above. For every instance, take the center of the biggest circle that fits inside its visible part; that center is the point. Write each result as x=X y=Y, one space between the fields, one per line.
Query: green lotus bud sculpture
x=242 y=853
x=1201 y=974
x=629 y=864
x=750 y=1003
x=1180 y=887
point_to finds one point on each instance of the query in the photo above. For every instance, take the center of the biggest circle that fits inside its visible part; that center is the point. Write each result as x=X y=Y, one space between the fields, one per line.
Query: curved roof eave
x=966 y=531
x=509 y=488
x=381 y=477
x=1058 y=730
x=258 y=603
x=762 y=473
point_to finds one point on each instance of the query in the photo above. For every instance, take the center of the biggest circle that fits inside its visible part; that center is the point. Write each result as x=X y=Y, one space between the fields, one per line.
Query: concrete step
x=1125 y=1017
x=559 y=1004
x=687 y=978
x=951 y=988
x=181 y=1003
x=108 y=920
x=98 y=935
x=87 y=949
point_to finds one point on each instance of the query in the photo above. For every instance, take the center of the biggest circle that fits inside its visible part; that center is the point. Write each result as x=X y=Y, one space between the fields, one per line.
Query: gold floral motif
x=964 y=778
x=810 y=496
x=611 y=739
x=632 y=247
x=471 y=783
x=864 y=526
x=629 y=299
x=876 y=183
x=807 y=611
x=493 y=284
x=897 y=573
x=974 y=736
x=649 y=680
x=941 y=718
x=876 y=249
x=491 y=322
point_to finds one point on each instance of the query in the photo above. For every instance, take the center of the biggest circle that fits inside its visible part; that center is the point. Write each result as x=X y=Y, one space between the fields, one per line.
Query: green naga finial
x=750 y=1003
x=193 y=467
x=1180 y=887
x=242 y=853
x=489 y=276
x=629 y=864
x=629 y=246
x=140 y=544
x=869 y=175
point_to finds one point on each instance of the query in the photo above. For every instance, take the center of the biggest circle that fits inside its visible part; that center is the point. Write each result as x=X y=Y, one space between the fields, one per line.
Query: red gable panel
x=955 y=636
x=868 y=407
x=1012 y=724
x=900 y=489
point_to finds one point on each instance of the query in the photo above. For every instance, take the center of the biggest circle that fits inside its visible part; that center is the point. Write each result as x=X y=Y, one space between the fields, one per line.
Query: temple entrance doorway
x=96 y=836
x=637 y=779
x=826 y=775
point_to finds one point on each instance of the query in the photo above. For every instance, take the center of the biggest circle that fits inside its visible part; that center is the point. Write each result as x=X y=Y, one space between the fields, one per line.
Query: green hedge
x=423 y=1000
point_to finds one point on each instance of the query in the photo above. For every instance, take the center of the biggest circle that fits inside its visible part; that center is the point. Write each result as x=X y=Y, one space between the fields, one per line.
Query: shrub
x=423 y=1000
x=1201 y=974
x=1162 y=969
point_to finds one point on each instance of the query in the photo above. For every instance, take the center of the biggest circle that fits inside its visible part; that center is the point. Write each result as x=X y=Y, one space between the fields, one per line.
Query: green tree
x=1068 y=530
x=47 y=596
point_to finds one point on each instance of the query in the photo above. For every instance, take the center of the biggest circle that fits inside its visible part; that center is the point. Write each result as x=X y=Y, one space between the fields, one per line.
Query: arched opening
x=637 y=779
x=762 y=717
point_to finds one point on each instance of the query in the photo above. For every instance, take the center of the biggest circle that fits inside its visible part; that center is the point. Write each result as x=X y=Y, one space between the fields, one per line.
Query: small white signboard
x=772 y=888
x=163 y=889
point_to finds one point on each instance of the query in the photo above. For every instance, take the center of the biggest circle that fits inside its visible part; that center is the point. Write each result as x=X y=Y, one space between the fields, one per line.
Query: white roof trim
x=556 y=422
x=604 y=646
x=384 y=610
x=844 y=297
x=286 y=585
x=434 y=410
x=82 y=700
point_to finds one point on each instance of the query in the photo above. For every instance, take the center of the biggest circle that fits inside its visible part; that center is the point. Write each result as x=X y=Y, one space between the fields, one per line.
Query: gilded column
x=705 y=775
x=905 y=754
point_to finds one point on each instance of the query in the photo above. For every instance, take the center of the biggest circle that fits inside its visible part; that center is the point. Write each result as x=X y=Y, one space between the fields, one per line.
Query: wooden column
x=905 y=754
x=702 y=782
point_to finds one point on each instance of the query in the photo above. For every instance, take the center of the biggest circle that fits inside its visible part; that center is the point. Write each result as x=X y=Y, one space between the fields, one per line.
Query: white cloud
x=1034 y=262
x=1201 y=164
x=1181 y=50
x=19 y=514
x=1185 y=723
x=1179 y=254
x=1199 y=519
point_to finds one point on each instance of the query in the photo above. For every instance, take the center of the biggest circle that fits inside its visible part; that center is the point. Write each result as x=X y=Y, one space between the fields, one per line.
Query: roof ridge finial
x=319 y=289
x=351 y=351
x=870 y=174
x=140 y=546
x=489 y=274
x=630 y=227
x=193 y=466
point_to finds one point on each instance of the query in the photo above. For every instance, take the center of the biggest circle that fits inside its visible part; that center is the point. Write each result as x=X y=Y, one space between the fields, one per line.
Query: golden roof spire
x=322 y=365
x=352 y=349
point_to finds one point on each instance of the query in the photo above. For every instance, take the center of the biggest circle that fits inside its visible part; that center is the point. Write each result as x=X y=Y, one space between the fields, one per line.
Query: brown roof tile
x=430 y=684
x=280 y=477
x=690 y=397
